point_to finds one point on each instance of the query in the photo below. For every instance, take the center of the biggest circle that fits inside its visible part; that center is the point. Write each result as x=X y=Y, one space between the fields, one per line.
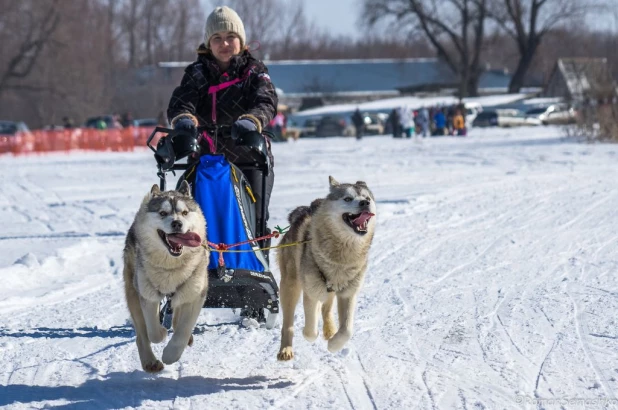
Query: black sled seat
x=240 y=276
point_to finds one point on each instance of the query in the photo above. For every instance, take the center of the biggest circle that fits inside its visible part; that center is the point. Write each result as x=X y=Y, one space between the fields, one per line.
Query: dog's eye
x=162 y=213
x=185 y=213
x=347 y=199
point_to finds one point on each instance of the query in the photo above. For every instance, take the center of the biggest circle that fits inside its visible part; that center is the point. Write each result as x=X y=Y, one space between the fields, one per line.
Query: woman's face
x=224 y=45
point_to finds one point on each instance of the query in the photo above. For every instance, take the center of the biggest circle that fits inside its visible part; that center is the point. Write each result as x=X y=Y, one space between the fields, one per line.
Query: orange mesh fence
x=41 y=141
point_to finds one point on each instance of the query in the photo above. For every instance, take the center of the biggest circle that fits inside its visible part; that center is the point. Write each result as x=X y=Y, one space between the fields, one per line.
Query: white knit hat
x=224 y=19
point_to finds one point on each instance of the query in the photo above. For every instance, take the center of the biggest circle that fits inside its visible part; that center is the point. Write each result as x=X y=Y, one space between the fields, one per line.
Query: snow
x=492 y=282
x=413 y=103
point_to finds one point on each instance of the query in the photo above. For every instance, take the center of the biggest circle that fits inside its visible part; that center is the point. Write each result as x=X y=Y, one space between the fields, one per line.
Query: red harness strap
x=222 y=247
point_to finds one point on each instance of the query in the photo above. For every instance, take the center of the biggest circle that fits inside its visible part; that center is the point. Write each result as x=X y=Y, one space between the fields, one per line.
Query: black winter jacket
x=254 y=95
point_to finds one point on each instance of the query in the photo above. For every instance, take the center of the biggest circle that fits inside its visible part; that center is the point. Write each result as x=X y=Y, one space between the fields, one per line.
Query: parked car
x=472 y=111
x=11 y=129
x=553 y=114
x=145 y=122
x=335 y=125
x=374 y=125
x=300 y=127
x=100 y=122
x=501 y=117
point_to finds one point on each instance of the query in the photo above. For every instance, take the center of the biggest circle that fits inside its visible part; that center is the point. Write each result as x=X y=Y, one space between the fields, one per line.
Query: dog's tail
x=298 y=215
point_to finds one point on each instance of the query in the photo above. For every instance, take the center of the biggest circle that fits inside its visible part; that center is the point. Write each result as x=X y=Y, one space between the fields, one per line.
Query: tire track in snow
x=581 y=329
x=429 y=393
x=357 y=369
x=540 y=372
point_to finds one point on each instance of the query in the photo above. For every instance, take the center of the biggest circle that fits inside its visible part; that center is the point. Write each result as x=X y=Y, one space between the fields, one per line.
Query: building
x=331 y=81
x=581 y=79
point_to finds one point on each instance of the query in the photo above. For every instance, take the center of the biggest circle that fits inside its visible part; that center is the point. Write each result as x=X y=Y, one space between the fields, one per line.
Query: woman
x=226 y=86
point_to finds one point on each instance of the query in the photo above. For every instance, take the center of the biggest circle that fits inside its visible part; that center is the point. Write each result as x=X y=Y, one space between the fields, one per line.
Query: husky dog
x=340 y=229
x=163 y=256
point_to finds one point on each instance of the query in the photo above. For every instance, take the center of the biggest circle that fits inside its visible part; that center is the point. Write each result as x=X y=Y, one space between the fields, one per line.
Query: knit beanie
x=224 y=19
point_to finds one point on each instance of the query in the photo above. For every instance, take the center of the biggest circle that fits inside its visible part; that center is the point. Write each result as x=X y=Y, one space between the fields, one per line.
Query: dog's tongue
x=362 y=218
x=190 y=239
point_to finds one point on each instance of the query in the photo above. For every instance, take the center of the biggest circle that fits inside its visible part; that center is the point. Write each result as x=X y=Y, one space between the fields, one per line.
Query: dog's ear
x=332 y=181
x=155 y=190
x=362 y=183
x=185 y=189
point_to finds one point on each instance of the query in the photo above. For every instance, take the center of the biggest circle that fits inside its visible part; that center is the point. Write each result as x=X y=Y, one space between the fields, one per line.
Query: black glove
x=164 y=155
x=186 y=125
x=242 y=126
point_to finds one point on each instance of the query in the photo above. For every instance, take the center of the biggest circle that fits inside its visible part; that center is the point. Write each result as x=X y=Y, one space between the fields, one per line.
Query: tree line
x=78 y=58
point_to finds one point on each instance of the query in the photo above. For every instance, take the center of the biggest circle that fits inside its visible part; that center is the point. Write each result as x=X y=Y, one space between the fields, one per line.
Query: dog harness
x=329 y=288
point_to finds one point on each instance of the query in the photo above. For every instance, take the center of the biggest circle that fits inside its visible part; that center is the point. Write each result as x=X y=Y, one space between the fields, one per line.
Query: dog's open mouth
x=358 y=222
x=176 y=241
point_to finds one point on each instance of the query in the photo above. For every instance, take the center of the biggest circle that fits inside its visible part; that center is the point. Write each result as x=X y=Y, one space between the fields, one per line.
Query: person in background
x=393 y=119
x=100 y=124
x=439 y=120
x=226 y=86
x=423 y=121
x=459 y=124
x=407 y=121
x=67 y=123
x=116 y=123
x=278 y=125
x=359 y=123
x=127 y=119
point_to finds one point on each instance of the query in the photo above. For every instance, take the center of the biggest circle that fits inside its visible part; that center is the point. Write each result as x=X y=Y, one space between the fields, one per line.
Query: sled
x=239 y=276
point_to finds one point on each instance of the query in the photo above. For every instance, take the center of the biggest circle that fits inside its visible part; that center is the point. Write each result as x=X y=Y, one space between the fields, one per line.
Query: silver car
x=553 y=114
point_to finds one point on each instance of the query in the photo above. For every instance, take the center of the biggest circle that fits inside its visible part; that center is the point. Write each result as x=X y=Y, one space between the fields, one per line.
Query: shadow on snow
x=118 y=390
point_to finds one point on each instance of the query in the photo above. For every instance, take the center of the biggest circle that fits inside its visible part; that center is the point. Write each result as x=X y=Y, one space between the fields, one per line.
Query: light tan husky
x=340 y=229
x=163 y=256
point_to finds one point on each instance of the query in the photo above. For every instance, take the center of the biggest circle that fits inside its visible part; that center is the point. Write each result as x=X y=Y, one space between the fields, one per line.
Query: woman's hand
x=186 y=125
x=242 y=126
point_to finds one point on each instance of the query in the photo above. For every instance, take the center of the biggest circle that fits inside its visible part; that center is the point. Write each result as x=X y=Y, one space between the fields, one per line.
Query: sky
x=338 y=16
x=341 y=16
x=491 y=282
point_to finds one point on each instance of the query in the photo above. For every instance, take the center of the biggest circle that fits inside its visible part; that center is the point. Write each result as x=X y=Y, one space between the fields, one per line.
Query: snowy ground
x=493 y=282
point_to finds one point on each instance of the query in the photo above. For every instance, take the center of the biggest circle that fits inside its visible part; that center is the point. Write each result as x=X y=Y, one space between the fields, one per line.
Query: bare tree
x=34 y=31
x=293 y=28
x=528 y=22
x=455 y=28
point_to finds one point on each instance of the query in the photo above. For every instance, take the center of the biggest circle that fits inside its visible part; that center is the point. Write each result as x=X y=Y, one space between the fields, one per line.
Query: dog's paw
x=337 y=341
x=286 y=353
x=310 y=334
x=190 y=341
x=154 y=366
x=158 y=335
x=172 y=353
x=328 y=330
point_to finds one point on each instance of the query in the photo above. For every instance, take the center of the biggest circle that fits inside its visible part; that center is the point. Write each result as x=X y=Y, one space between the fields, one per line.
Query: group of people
x=433 y=121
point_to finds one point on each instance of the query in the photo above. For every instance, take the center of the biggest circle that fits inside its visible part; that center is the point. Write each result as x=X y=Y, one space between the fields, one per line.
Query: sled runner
x=238 y=272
